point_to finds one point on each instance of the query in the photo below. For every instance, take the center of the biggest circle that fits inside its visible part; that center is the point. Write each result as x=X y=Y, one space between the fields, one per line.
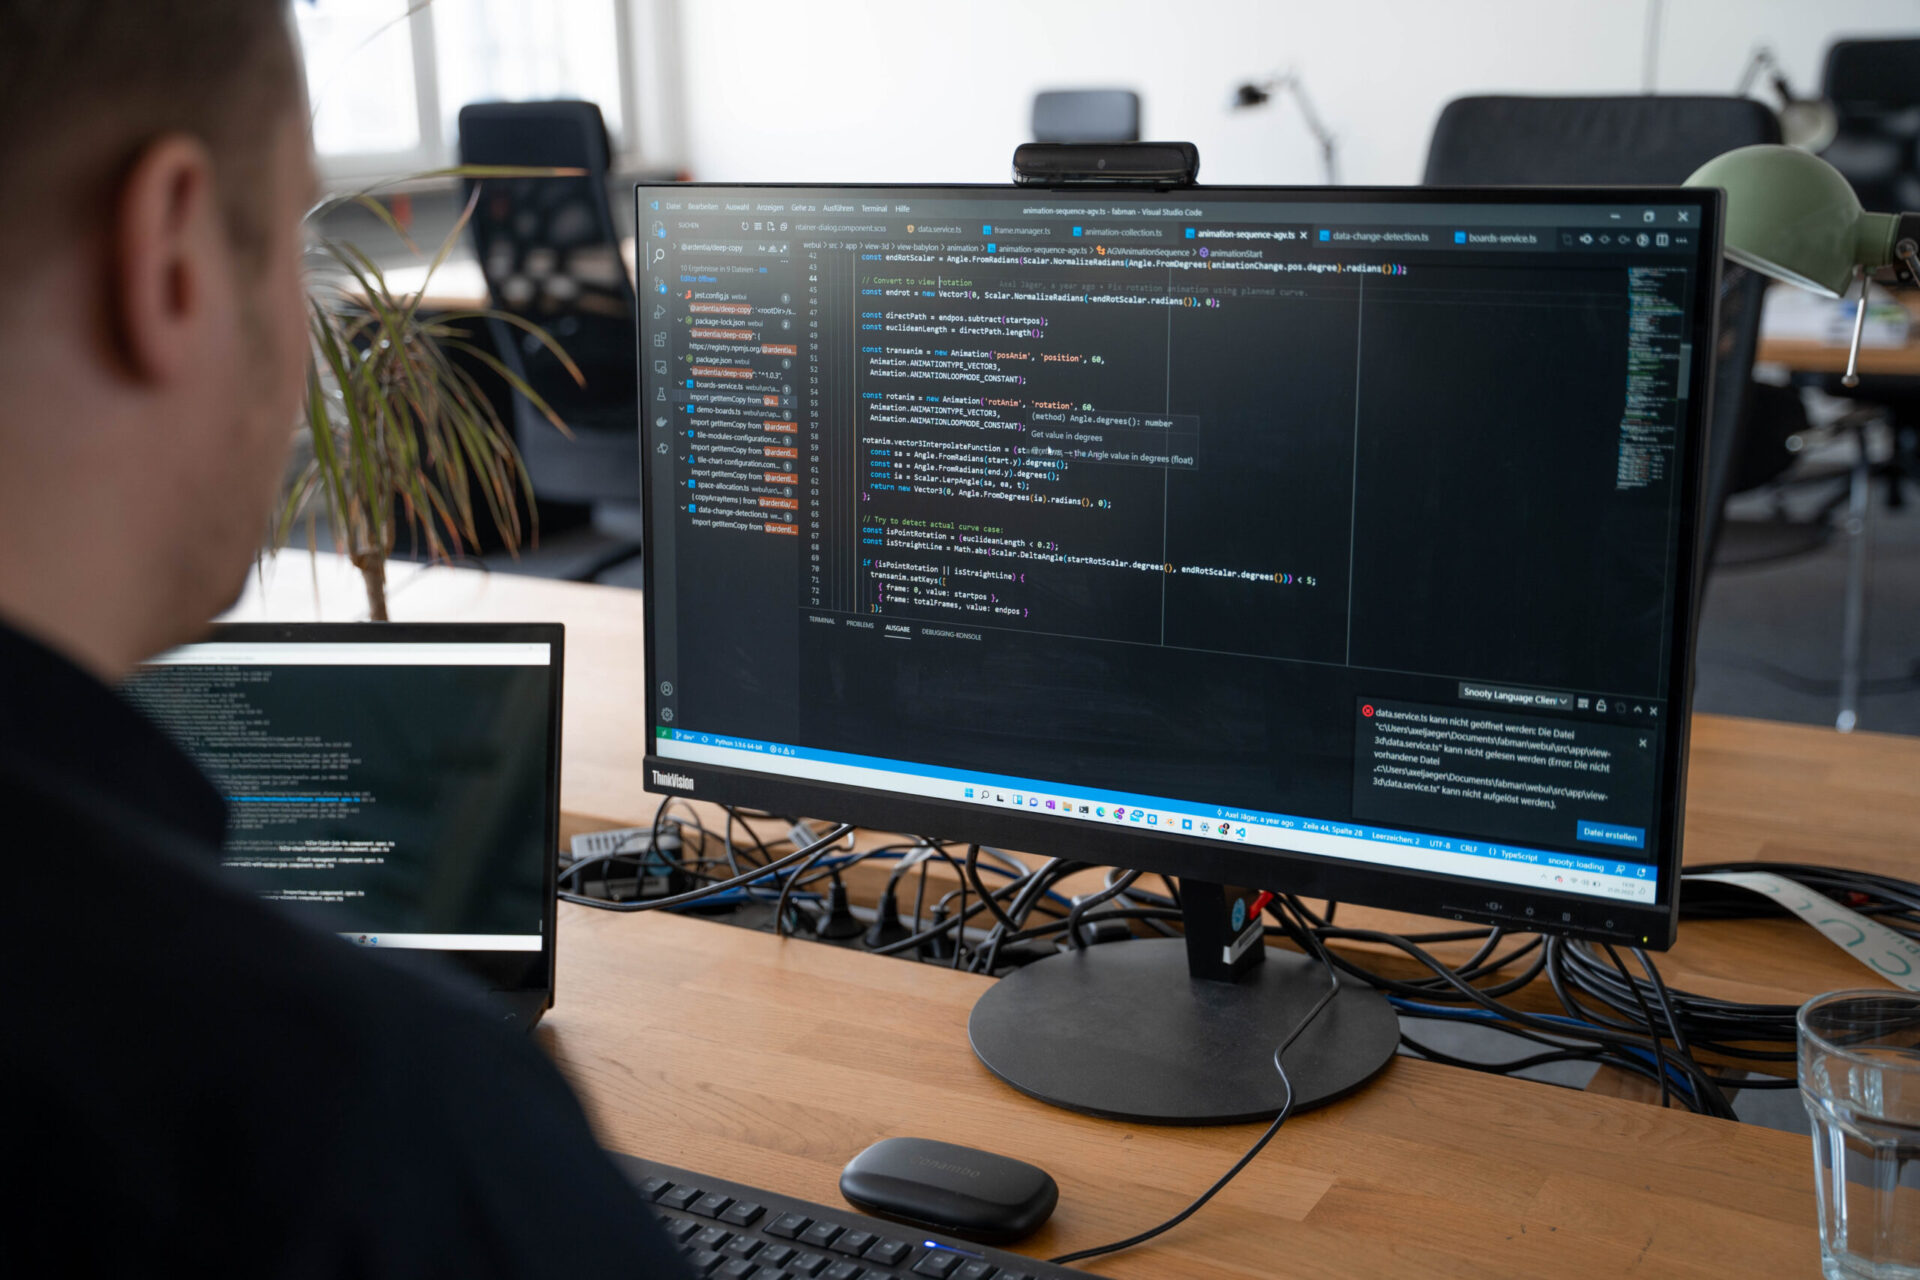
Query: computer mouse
x=941 y=1186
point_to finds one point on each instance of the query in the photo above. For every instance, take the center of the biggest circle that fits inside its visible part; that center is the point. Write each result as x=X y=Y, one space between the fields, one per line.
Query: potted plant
x=402 y=434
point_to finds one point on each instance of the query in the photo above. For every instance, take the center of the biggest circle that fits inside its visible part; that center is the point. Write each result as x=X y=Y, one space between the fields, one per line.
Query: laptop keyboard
x=730 y=1231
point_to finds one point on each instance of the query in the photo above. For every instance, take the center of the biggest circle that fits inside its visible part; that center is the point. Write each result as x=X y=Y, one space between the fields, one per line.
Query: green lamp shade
x=1792 y=216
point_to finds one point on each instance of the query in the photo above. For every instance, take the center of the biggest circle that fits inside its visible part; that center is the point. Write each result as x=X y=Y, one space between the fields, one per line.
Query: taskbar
x=446 y=941
x=1498 y=863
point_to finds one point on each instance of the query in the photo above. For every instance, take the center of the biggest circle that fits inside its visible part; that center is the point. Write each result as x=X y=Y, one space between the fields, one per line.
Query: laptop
x=396 y=784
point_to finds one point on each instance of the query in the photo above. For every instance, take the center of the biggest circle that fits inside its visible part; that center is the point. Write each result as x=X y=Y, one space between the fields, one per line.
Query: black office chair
x=1644 y=140
x=1086 y=115
x=551 y=255
x=1874 y=86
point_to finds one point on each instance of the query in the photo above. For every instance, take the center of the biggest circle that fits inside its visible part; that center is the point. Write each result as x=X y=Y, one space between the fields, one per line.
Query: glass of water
x=1860 y=1079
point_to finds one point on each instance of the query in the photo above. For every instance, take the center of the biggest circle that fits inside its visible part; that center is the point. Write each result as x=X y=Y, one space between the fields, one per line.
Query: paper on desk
x=1795 y=315
x=1889 y=954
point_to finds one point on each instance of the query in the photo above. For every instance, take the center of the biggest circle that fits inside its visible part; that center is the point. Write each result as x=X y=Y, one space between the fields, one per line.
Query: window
x=359 y=56
x=509 y=50
x=388 y=77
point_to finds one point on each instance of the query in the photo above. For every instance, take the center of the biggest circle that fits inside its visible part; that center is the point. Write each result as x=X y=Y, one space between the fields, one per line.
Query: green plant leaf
x=505 y=470
x=527 y=326
x=379 y=210
x=402 y=434
x=515 y=381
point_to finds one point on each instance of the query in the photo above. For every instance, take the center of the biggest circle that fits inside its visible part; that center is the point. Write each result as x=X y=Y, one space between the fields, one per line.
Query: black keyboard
x=734 y=1232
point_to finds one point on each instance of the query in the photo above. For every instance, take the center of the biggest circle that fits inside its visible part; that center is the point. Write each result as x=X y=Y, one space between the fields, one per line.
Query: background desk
x=1799 y=353
x=772 y=1062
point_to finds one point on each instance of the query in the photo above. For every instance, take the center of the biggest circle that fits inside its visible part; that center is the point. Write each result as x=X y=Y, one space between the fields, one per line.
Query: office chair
x=1086 y=115
x=1644 y=140
x=1874 y=86
x=551 y=256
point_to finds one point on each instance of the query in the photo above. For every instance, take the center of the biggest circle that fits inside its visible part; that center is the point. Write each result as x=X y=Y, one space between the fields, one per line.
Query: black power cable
x=1634 y=1020
x=693 y=867
x=1631 y=1021
x=1259 y=1145
x=1075 y=934
x=1759 y=1035
x=1659 y=1054
x=786 y=890
x=1499 y=1068
x=951 y=923
x=1578 y=1029
x=720 y=886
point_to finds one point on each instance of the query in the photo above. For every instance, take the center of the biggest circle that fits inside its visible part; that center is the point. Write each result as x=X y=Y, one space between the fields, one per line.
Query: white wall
x=939 y=90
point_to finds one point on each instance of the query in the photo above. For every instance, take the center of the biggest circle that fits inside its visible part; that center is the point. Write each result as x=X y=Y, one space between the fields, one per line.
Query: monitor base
x=1123 y=1031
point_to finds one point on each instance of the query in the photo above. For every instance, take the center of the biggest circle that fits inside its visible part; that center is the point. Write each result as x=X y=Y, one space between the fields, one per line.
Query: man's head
x=154 y=167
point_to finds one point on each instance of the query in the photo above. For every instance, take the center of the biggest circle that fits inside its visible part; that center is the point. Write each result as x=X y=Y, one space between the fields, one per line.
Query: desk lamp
x=1792 y=216
x=1808 y=123
x=1256 y=93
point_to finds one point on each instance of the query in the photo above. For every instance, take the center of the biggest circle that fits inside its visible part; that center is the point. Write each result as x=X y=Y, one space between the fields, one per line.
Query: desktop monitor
x=1330 y=541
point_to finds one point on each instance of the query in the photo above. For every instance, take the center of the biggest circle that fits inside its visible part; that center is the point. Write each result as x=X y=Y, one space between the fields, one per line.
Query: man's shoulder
x=239 y=1085
x=129 y=944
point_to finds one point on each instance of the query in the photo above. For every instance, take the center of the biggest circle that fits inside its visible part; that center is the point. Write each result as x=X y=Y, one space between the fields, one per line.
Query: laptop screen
x=397 y=786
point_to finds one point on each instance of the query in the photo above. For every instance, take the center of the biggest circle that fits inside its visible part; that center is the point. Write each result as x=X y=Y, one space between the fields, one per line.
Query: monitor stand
x=1182 y=1031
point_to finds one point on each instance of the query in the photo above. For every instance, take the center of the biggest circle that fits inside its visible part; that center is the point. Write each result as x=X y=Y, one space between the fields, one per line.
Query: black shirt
x=199 y=1085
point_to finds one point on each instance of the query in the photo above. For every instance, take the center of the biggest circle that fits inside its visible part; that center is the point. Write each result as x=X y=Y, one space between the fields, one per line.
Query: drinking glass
x=1860 y=1080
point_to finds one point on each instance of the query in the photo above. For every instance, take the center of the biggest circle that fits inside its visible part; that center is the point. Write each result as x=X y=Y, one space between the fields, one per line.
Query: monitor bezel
x=501 y=970
x=1516 y=907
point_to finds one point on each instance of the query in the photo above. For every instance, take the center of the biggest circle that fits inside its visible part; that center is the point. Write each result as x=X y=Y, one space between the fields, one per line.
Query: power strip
x=659 y=872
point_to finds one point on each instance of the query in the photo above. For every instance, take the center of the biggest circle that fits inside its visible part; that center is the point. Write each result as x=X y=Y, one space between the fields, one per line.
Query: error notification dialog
x=1499 y=776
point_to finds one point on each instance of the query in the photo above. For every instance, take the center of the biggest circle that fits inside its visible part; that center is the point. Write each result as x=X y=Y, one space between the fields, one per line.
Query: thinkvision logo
x=678 y=781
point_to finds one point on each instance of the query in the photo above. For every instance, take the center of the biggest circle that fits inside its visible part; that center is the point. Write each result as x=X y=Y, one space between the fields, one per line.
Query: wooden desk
x=1803 y=356
x=459 y=284
x=773 y=1062
x=1799 y=354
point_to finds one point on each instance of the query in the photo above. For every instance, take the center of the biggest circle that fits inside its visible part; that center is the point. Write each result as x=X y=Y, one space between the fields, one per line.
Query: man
x=195 y=1085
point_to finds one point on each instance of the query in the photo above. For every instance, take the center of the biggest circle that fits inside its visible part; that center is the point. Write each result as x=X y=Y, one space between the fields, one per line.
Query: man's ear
x=167 y=234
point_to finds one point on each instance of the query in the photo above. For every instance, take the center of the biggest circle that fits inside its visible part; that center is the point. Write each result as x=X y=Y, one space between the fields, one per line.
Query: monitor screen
x=394 y=785
x=1335 y=541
